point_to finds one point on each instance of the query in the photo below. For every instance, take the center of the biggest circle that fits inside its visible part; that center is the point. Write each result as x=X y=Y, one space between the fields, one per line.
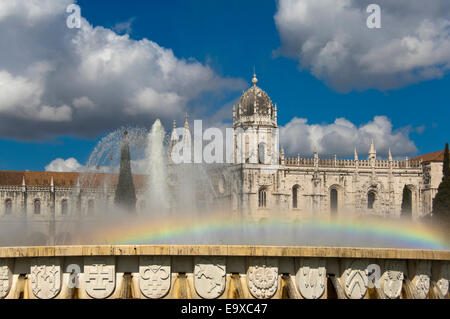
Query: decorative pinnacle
x=186 y=122
x=124 y=134
x=174 y=124
x=254 y=80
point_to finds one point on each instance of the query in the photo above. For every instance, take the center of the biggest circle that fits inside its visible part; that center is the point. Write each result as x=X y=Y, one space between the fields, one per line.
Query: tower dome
x=255 y=101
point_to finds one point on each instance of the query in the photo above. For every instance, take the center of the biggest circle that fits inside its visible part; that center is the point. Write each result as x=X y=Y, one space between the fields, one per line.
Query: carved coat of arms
x=154 y=276
x=391 y=282
x=311 y=278
x=99 y=277
x=45 y=275
x=421 y=280
x=5 y=278
x=262 y=278
x=209 y=277
x=354 y=280
x=442 y=282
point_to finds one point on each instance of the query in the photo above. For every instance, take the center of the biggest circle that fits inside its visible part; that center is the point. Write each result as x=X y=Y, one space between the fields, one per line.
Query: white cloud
x=61 y=165
x=60 y=81
x=331 y=40
x=342 y=136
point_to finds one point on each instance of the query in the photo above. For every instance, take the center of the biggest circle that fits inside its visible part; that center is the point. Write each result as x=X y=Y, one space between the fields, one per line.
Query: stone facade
x=262 y=181
x=265 y=181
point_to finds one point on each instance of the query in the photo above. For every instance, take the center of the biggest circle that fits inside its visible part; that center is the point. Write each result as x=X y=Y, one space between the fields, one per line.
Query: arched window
x=91 y=206
x=406 y=202
x=371 y=197
x=247 y=149
x=333 y=200
x=64 y=207
x=262 y=198
x=295 y=196
x=8 y=206
x=262 y=153
x=37 y=206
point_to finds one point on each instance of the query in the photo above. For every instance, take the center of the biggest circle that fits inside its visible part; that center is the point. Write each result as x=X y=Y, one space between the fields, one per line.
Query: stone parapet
x=195 y=272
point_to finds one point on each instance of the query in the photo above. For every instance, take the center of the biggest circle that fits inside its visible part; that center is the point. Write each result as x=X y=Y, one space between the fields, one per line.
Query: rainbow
x=216 y=229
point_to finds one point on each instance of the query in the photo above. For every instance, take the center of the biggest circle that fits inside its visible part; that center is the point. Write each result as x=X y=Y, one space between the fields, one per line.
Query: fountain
x=157 y=190
x=182 y=242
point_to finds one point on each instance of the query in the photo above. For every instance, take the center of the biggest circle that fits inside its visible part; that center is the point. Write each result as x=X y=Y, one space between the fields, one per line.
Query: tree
x=125 y=192
x=446 y=166
x=441 y=202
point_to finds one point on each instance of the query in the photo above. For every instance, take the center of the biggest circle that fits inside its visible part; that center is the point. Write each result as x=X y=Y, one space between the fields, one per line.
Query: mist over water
x=178 y=205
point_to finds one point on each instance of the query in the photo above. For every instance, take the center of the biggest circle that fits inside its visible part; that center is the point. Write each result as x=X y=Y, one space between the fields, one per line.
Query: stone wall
x=244 y=272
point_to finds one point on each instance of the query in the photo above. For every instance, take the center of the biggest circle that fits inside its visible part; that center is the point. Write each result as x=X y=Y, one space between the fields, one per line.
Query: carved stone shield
x=45 y=275
x=154 y=276
x=391 y=281
x=209 y=276
x=420 y=283
x=5 y=277
x=311 y=278
x=99 y=276
x=354 y=280
x=442 y=282
x=262 y=277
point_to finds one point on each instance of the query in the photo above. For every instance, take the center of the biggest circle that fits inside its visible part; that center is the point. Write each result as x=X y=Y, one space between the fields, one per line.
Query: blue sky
x=232 y=37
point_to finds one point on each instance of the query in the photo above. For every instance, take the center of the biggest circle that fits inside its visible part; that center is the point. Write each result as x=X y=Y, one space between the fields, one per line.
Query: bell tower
x=255 y=127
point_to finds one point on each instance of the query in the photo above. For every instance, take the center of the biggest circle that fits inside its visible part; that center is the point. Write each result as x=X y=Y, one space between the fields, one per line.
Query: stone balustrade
x=194 y=272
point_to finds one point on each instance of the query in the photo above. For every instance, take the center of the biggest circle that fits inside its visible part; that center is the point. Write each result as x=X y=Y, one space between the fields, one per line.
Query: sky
x=337 y=83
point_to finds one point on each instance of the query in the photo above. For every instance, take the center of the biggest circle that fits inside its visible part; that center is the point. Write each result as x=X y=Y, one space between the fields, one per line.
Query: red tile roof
x=431 y=157
x=63 y=179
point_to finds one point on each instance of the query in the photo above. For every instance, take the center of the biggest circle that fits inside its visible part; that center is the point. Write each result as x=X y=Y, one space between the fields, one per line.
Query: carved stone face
x=154 y=276
x=209 y=276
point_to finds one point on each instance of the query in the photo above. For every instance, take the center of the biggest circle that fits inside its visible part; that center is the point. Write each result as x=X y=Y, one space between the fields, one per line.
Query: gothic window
x=247 y=149
x=37 y=206
x=262 y=198
x=8 y=206
x=64 y=207
x=371 y=200
x=406 y=202
x=333 y=200
x=91 y=206
x=295 y=196
x=262 y=153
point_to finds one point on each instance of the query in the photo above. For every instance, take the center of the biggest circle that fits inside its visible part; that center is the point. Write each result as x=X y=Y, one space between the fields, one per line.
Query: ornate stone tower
x=255 y=127
x=125 y=196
